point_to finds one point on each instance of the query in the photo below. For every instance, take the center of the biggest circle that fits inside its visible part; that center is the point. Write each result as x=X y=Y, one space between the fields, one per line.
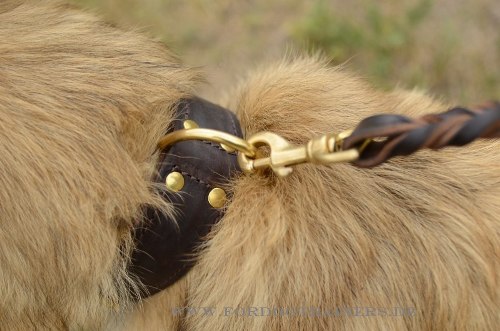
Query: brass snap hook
x=282 y=154
x=322 y=150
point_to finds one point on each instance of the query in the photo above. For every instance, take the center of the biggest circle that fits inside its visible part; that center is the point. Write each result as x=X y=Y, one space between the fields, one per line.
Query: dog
x=82 y=107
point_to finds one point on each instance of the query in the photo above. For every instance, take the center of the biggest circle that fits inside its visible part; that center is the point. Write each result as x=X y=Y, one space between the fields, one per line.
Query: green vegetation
x=450 y=49
x=380 y=44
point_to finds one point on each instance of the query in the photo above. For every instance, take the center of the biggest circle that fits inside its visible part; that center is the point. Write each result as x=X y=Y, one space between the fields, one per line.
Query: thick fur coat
x=82 y=106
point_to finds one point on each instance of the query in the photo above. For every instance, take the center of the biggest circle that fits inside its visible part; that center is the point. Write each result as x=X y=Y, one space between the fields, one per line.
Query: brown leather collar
x=165 y=247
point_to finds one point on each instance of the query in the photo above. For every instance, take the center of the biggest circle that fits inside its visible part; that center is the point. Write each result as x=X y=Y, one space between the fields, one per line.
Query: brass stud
x=174 y=181
x=217 y=197
x=189 y=124
x=227 y=148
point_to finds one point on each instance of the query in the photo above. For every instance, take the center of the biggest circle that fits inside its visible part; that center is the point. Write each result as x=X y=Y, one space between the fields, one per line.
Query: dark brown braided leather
x=399 y=135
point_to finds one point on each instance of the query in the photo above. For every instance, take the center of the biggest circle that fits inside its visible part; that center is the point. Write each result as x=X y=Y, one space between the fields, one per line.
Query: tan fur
x=82 y=106
x=420 y=231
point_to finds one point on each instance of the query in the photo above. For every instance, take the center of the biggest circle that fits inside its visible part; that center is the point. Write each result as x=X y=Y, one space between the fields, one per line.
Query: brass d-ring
x=220 y=137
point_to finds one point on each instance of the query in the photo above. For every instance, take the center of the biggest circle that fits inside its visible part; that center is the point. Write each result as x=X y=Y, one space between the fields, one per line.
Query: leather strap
x=165 y=247
x=404 y=136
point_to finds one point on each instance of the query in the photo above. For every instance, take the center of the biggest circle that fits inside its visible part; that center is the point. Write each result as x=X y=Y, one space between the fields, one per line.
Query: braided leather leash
x=393 y=135
x=197 y=160
x=375 y=140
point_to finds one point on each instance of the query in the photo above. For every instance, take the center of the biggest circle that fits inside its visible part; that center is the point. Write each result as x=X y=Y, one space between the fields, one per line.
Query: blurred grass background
x=450 y=48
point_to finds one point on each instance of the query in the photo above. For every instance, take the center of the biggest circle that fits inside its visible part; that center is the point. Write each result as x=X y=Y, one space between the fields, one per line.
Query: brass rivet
x=217 y=197
x=227 y=148
x=174 y=181
x=189 y=124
